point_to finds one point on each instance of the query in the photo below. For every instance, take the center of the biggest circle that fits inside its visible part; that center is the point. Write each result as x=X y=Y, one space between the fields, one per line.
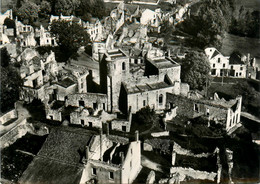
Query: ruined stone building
x=227 y=113
x=109 y=160
x=128 y=88
x=36 y=71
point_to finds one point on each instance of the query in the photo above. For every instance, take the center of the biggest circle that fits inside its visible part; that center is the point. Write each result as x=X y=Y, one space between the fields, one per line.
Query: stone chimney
x=136 y=135
x=248 y=59
x=122 y=157
x=101 y=143
x=87 y=153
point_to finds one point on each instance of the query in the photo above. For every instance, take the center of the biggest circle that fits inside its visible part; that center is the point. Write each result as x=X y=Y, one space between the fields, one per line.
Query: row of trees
x=246 y=23
x=10 y=82
x=29 y=11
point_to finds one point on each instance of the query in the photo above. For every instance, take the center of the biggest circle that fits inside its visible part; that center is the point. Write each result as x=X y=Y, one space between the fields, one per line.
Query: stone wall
x=151 y=178
x=92 y=100
x=194 y=108
x=63 y=92
x=8 y=116
x=84 y=119
x=132 y=162
x=54 y=114
x=102 y=171
x=184 y=89
x=170 y=114
x=15 y=133
x=149 y=98
x=195 y=174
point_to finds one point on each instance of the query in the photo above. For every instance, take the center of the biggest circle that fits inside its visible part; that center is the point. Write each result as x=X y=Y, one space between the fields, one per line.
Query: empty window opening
x=196 y=107
x=94 y=106
x=90 y=124
x=124 y=128
x=123 y=66
x=81 y=103
x=94 y=171
x=111 y=175
x=82 y=122
x=160 y=99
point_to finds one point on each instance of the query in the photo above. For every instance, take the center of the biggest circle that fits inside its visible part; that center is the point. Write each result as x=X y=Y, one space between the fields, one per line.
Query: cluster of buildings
x=235 y=65
x=125 y=72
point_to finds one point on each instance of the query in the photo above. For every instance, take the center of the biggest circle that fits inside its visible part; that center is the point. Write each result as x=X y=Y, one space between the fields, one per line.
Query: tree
x=45 y=9
x=70 y=36
x=5 y=57
x=10 y=82
x=94 y=8
x=207 y=28
x=9 y=23
x=66 y=7
x=28 y=12
x=246 y=23
x=195 y=70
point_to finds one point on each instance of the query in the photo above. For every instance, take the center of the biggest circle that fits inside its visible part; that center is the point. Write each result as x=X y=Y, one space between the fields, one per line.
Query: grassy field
x=243 y=44
x=248 y=4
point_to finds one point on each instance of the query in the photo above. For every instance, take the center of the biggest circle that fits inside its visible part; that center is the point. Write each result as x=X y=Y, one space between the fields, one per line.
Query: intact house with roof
x=109 y=160
x=227 y=113
x=235 y=65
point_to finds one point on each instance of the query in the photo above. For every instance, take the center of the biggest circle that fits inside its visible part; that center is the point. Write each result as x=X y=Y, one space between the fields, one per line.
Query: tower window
x=123 y=66
x=144 y=103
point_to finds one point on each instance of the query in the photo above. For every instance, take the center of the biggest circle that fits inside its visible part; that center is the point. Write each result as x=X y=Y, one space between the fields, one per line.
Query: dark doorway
x=81 y=103
x=90 y=124
x=82 y=122
x=124 y=128
x=94 y=106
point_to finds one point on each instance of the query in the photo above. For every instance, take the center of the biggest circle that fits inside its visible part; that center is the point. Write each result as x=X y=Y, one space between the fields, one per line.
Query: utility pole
x=206 y=93
x=222 y=78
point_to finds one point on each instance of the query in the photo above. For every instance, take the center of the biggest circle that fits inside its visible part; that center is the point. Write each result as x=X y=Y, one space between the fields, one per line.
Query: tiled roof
x=235 y=59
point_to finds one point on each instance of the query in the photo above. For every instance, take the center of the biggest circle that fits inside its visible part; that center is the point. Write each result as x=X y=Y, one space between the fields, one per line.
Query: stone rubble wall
x=8 y=116
x=195 y=174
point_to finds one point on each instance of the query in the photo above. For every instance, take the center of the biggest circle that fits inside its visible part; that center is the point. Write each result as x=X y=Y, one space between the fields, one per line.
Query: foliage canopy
x=195 y=70
x=70 y=36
